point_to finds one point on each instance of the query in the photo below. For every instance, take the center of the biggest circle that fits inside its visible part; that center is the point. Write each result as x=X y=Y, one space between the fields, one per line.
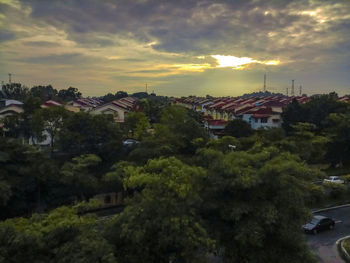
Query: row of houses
x=118 y=108
x=259 y=112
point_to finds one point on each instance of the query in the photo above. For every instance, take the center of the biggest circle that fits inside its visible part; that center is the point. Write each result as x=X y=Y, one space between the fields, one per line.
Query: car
x=334 y=179
x=319 y=223
x=130 y=142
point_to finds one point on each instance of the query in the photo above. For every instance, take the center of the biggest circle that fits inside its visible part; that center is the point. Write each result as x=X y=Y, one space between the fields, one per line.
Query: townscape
x=188 y=131
x=164 y=178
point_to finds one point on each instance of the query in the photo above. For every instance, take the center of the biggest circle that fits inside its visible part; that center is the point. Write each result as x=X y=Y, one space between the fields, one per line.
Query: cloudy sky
x=181 y=47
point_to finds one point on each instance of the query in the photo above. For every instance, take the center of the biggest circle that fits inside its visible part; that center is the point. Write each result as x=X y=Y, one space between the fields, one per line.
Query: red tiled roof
x=217 y=122
x=258 y=116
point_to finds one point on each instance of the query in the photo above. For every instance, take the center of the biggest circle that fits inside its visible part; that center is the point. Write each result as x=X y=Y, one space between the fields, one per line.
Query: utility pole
x=265 y=82
x=287 y=91
x=146 y=88
x=292 y=91
x=10 y=77
x=300 y=90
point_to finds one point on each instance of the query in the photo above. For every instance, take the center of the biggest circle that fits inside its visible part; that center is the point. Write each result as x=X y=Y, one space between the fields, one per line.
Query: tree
x=83 y=133
x=24 y=173
x=337 y=127
x=69 y=94
x=136 y=125
x=292 y=114
x=256 y=202
x=44 y=93
x=224 y=144
x=12 y=126
x=238 y=128
x=79 y=174
x=110 y=97
x=30 y=105
x=160 y=224
x=176 y=134
x=315 y=111
x=60 y=236
x=14 y=91
x=121 y=94
x=49 y=121
x=178 y=129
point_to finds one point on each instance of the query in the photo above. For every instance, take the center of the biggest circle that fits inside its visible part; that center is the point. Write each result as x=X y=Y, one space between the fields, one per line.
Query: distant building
x=118 y=108
x=260 y=112
x=10 y=107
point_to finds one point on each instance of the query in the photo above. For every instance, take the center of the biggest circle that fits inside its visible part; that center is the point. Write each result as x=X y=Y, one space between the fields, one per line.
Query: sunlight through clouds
x=240 y=62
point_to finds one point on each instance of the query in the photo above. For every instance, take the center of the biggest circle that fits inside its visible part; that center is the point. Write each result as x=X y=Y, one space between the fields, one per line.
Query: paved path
x=323 y=244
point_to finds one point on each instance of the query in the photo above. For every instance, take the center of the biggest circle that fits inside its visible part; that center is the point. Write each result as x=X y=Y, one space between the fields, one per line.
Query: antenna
x=10 y=77
x=287 y=91
x=292 y=91
x=300 y=90
x=265 y=82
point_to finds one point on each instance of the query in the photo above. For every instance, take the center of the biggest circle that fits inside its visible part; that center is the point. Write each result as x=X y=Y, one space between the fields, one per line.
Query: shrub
x=336 y=190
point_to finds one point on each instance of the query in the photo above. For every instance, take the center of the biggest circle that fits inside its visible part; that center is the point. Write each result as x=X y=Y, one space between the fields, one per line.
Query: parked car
x=130 y=142
x=319 y=223
x=334 y=179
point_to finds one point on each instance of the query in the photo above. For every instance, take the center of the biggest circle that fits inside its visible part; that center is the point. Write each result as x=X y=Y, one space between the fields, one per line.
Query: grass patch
x=346 y=245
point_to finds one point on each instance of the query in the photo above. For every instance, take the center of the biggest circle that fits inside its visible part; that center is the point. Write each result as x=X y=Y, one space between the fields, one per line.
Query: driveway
x=323 y=244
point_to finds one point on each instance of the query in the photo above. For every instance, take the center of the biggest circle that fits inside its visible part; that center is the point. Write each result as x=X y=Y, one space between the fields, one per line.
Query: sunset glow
x=240 y=62
x=179 y=47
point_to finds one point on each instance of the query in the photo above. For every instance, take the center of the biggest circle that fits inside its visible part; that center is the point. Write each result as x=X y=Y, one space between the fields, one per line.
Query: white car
x=334 y=179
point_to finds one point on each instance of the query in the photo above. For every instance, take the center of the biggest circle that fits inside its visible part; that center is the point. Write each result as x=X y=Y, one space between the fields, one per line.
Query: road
x=323 y=244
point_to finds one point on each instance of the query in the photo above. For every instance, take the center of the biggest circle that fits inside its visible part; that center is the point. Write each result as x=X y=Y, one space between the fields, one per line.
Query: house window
x=263 y=120
x=256 y=120
x=275 y=120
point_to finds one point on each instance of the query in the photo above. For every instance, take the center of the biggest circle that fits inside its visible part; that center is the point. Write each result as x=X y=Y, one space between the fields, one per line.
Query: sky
x=177 y=47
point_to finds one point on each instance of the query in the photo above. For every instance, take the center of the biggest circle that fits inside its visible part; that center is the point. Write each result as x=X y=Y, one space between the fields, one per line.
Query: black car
x=319 y=223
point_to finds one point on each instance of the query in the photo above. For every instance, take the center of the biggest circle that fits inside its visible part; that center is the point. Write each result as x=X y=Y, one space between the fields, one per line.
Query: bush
x=316 y=195
x=346 y=245
x=336 y=191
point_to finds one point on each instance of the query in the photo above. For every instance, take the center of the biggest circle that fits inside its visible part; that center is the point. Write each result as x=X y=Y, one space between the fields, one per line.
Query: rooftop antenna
x=265 y=82
x=292 y=91
x=300 y=90
x=287 y=91
x=10 y=77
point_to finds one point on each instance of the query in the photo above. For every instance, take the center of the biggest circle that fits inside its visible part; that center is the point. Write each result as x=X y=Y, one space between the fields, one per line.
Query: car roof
x=320 y=217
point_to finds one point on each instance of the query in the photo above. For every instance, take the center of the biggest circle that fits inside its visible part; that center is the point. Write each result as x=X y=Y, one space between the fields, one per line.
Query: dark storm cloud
x=196 y=27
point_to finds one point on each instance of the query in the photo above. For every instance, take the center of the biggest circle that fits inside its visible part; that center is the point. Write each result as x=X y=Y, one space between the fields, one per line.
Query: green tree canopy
x=238 y=128
x=136 y=125
x=60 y=236
x=23 y=173
x=257 y=202
x=50 y=121
x=83 y=133
x=80 y=174
x=44 y=93
x=160 y=223
x=69 y=94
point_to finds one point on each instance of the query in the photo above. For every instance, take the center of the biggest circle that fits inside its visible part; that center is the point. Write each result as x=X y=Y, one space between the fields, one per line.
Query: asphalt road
x=323 y=243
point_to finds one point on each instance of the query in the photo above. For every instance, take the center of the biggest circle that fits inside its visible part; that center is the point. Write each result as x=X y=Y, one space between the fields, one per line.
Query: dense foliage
x=188 y=198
